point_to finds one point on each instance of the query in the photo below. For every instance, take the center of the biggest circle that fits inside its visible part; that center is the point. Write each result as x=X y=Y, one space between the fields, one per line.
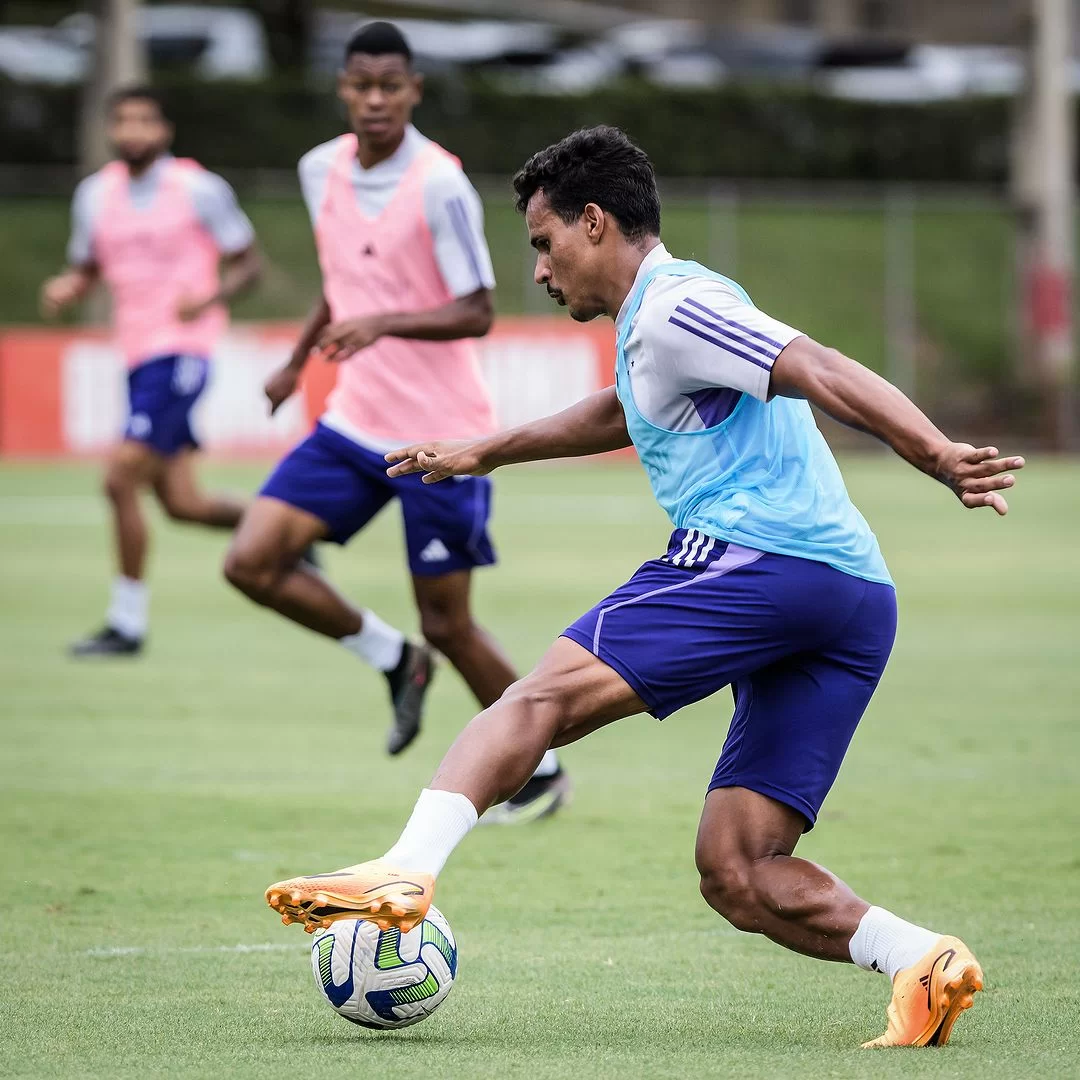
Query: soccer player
x=407 y=281
x=772 y=582
x=172 y=245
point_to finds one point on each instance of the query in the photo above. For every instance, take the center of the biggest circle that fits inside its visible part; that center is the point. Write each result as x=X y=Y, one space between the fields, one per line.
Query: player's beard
x=140 y=160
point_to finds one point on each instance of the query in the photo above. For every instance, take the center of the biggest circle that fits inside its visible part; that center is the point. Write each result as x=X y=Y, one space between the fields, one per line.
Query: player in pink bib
x=407 y=285
x=171 y=244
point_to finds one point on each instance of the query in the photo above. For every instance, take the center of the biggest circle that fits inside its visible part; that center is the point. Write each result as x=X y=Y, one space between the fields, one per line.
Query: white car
x=220 y=43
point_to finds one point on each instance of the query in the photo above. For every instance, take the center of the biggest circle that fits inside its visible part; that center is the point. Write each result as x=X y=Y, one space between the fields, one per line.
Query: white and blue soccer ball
x=384 y=978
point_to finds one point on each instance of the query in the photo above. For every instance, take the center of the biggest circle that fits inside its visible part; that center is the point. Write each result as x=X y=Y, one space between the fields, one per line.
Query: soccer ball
x=384 y=978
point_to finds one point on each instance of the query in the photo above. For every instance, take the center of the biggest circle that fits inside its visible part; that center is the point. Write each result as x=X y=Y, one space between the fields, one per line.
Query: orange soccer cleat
x=928 y=996
x=375 y=891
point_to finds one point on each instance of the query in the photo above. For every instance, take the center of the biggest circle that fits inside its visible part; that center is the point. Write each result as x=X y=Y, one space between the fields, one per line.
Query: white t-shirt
x=454 y=212
x=695 y=346
x=215 y=203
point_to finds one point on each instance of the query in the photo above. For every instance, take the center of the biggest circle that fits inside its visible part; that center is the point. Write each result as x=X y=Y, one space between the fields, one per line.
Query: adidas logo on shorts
x=435 y=551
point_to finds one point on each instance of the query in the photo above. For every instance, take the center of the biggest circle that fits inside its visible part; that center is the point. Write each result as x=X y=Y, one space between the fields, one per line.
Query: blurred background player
x=407 y=280
x=172 y=245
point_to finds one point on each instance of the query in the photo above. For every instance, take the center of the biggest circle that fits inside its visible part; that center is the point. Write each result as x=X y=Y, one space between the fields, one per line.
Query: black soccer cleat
x=539 y=798
x=409 y=684
x=106 y=642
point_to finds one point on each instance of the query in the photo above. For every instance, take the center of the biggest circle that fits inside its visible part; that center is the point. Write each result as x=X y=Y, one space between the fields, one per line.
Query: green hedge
x=738 y=132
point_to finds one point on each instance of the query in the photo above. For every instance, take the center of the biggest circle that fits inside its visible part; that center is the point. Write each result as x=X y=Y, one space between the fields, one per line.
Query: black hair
x=378 y=39
x=595 y=165
x=137 y=92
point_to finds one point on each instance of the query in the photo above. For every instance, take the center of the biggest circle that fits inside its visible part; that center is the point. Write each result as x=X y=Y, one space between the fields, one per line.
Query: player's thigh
x=272 y=534
x=795 y=719
x=327 y=477
x=585 y=693
x=446 y=524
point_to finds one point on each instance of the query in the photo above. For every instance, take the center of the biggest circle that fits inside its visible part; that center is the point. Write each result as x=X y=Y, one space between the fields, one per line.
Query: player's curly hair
x=595 y=165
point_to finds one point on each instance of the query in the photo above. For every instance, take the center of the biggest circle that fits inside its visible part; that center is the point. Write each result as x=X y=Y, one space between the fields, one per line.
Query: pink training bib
x=397 y=389
x=153 y=257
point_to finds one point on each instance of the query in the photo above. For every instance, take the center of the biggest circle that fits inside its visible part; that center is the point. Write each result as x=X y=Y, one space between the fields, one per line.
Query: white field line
x=115 y=951
x=43 y=511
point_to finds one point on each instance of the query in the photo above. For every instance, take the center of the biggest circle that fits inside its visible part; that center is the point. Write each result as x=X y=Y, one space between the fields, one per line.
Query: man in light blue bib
x=772 y=583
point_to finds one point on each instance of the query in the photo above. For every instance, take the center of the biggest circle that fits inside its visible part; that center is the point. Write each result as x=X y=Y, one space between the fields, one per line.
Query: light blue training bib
x=763 y=478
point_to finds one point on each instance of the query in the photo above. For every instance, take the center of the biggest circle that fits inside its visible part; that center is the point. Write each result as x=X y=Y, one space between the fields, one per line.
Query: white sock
x=378 y=643
x=440 y=821
x=885 y=942
x=549 y=765
x=129 y=607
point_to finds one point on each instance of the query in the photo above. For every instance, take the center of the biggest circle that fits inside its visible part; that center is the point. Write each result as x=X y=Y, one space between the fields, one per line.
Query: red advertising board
x=62 y=392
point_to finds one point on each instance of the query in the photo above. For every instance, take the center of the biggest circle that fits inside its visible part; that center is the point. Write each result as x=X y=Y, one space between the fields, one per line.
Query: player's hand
x=977 y=477
x=341 y=339
x=58 y=292
x=189 y=309
x=281 y=386
x=438 y=460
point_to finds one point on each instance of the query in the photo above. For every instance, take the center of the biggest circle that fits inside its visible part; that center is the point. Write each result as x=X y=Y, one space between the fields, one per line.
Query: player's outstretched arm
x=859 y=398
x=594 y=425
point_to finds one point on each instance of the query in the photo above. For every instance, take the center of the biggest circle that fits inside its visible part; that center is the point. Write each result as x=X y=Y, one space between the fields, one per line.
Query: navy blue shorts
x=802 y=645
x=345 y=485
x=161 y=395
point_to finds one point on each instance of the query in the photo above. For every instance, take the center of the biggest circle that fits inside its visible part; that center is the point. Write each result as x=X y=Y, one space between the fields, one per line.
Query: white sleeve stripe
x=459 y=216
x=731 y=322
x=725 y=345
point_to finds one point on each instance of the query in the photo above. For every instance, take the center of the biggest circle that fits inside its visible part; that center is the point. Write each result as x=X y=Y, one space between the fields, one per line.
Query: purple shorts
x=161 y=394
x=802 y=645
x=345 y=485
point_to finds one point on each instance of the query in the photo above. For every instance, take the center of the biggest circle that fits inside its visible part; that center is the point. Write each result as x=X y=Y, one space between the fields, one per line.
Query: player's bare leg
x=569 y=694
x=447 y=622
x=131 y=466
x=266 y=562
x=183 y=499
x=749 y=875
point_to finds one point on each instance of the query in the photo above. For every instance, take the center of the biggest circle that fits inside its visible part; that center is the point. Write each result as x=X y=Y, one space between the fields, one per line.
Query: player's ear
x=342 y=86
x=595 y=222
x=418 y=87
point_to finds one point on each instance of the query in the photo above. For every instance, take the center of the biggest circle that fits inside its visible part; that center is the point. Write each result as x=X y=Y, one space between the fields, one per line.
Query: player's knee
x=119 y=483
x=445 y=630
x=543 y=702
x=254 y=577
x=728 y=888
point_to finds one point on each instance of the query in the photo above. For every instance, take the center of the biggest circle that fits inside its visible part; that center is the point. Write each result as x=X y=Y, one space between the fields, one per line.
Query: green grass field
x=818 y=267
x=146 y=805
